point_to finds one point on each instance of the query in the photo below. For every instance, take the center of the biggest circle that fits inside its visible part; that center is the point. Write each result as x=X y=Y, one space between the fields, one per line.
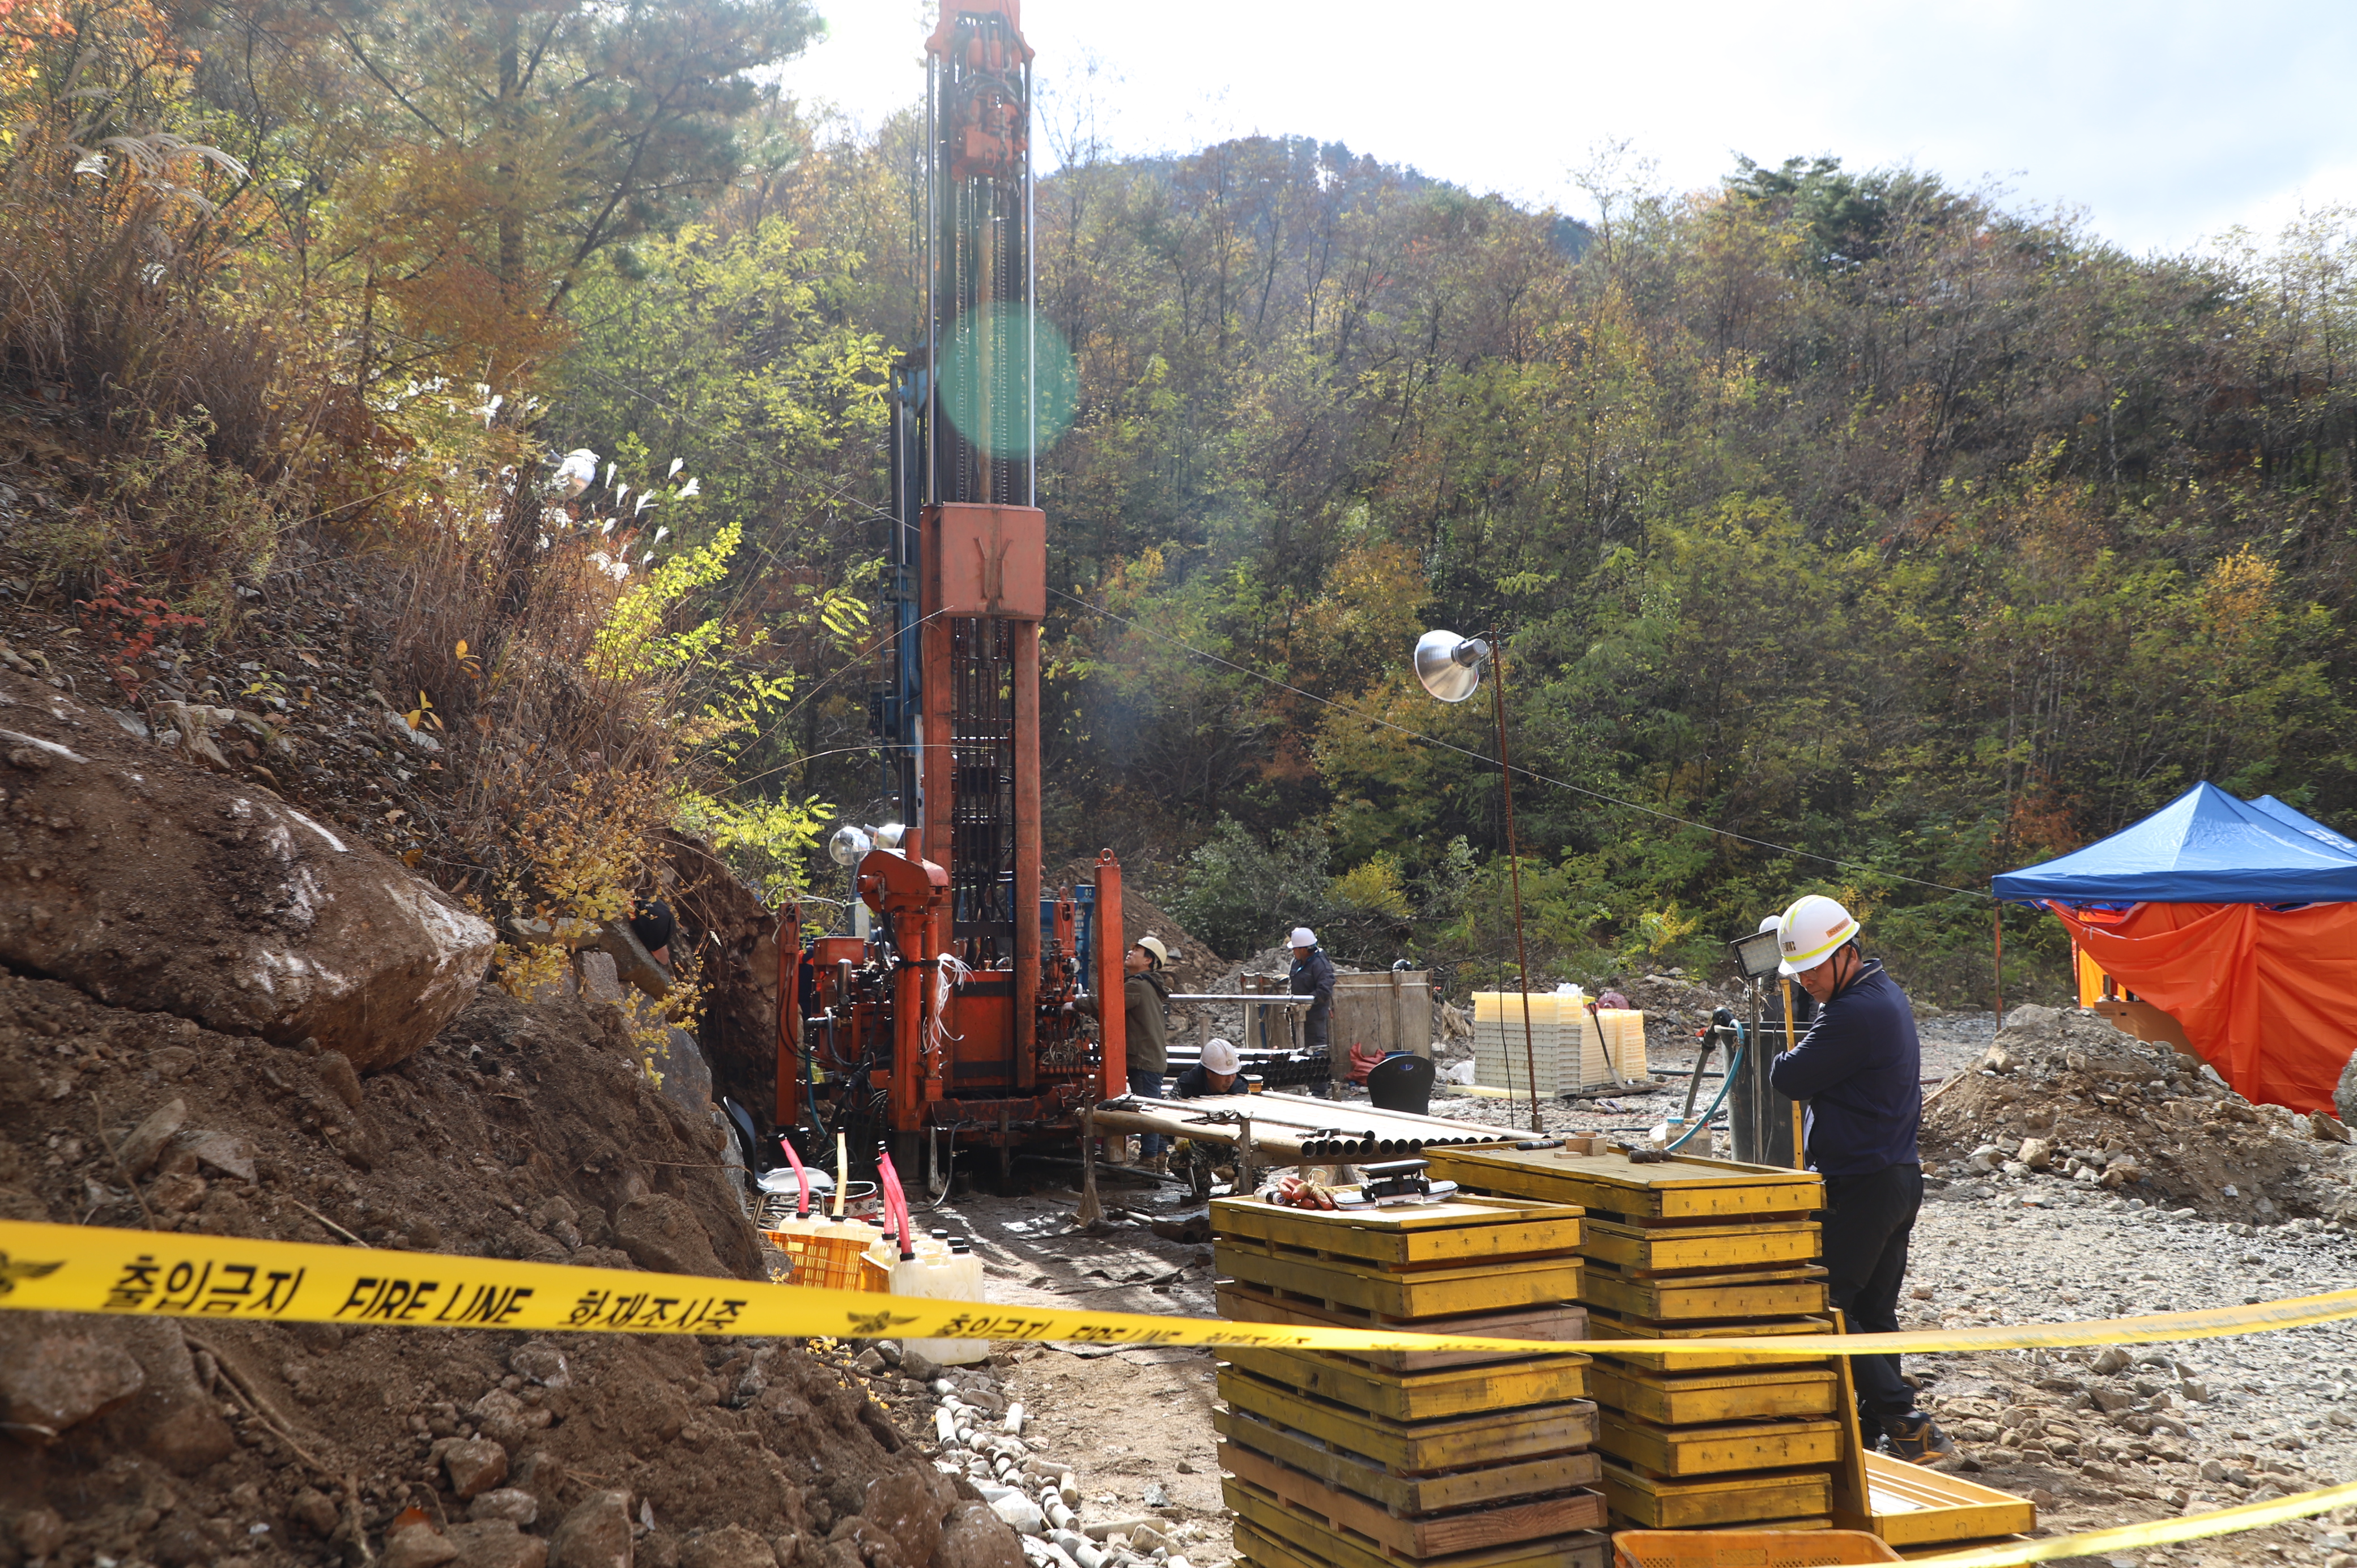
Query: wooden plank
x=1431 y=1535
x=1321 y=1542
x=1916 y=1507
x=1607 y=1330
x=1401 y=1494
x=1421 y=1396
x=1459 y=1230
x=1426 y=1448
x=1849 y=1476
x=1681 y=1187
x=1642 y=1247
x=1695 y=1398
x=1675 y=1299
x=1658 y=1502
x=1243 y=1303
x=1425 y=1293
x=1715 y=1450
x=1264 y=1551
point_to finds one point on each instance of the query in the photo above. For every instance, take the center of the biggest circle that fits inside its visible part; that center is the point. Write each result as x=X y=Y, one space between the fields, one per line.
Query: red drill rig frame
x=962 y=1014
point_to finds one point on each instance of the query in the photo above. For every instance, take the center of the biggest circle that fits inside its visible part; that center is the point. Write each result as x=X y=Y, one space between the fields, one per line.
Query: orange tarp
x=2267 y=997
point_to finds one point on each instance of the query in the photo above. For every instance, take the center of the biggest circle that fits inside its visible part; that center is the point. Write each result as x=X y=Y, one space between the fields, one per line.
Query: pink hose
x=802 y=1205
x=896 y=1203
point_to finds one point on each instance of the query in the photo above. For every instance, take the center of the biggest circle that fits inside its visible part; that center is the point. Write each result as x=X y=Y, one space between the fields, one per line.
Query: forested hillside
x=1841 y=510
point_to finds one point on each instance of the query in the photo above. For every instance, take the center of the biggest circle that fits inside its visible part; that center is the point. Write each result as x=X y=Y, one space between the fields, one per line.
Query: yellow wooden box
x=1659 y=1502
x=1454 y=1233
x=1420 y=1396
x=1650 y=1247
x=1427 y=1447
x=1402 y=1494
x=1555 y=1324
x=1916 y=1507
x=1422 y=1536
x=1422 y=1292
x=1608 y=1333
x=1320 y=1541
x=1683 y=1186
x=1692 y=1399
x=1787 y=1291
x=1715 y=1450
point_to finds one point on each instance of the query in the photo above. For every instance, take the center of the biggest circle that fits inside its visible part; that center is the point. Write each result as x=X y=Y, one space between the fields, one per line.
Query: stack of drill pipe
x=1694 y=1248
x=1383 y=1459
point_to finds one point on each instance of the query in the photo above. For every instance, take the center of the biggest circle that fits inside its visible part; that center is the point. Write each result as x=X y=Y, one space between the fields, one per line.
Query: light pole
x=1449 y=667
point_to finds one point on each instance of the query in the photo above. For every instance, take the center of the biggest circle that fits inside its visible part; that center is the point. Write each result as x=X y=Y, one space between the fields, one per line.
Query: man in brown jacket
x=1143 y=999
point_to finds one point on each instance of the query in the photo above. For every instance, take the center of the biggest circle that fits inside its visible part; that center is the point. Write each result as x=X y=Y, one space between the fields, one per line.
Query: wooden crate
x=1460 y=1231
x=1423 y=1293
x=1420 y=1396
x=1555 y=1323
x=1683 y=1186
x=1718 y=1449
x=1322 y=1541
x=1913 y=1507
x=1654 y=1248
x=1609 y=1332
x=1785 y=1291
x=1264 y=1551
x=1691 y=1399
x=1427 y=1447
x=1405 y=1494
x=1417 y=1537
x=1660 y=1502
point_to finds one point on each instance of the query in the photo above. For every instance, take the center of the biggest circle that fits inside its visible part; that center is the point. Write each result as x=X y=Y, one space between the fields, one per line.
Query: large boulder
x=153 y=884
x=2344 y=1099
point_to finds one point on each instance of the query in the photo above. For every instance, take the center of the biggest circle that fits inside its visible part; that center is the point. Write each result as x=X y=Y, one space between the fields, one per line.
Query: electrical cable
x=1725 y=1084
x=1527 y=773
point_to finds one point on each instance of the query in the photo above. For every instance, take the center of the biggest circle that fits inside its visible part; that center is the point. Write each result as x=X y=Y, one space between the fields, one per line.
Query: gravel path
x=2198 y=1426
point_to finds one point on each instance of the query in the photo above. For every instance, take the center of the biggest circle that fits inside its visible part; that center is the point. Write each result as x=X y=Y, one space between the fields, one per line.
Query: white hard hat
x=1810 y=931
x=1303 y=937
x=1219 y=1057
x=1771 y=922
x=1153 y=945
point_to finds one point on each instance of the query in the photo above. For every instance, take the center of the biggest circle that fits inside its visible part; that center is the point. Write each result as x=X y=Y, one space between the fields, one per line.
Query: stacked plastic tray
x=1459 y=1459
x=1693 y=1248
x=1572 y=1048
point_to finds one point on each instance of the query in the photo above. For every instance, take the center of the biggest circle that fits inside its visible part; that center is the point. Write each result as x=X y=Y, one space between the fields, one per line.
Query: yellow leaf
x=462 y=648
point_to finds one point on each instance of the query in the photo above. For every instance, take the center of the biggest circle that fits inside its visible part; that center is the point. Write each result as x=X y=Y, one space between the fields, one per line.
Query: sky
x=2163 y=123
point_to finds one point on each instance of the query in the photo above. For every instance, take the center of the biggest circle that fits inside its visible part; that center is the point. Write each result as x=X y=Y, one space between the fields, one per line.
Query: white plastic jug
x=943 y=1272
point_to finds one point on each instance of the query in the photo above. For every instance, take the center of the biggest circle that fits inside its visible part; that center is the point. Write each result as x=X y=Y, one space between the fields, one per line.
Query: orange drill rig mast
x=954 y=1019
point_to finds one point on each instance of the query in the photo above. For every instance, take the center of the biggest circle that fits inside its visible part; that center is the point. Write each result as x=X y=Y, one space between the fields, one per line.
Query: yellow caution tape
x=71 y=1268
x=2159 y=1532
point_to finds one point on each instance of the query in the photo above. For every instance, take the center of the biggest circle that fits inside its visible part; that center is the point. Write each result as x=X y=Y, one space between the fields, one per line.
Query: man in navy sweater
x=1860 y=1068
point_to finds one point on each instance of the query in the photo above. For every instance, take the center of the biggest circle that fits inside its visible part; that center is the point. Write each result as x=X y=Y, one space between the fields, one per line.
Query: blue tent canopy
x=2204 y=847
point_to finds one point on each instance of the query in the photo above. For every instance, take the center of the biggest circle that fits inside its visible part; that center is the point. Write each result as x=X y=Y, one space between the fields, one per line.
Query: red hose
x=895 y=1204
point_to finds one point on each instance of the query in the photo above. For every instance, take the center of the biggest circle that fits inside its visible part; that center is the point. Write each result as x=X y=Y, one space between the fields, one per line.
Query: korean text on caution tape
x=67 y=1268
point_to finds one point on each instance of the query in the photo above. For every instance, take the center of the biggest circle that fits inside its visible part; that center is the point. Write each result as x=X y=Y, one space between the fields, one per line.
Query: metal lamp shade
x=1449 y=666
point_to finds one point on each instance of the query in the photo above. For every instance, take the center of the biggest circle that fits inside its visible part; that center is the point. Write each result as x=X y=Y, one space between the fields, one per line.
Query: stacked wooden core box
x=1459 y=1459
x=1692 y=1248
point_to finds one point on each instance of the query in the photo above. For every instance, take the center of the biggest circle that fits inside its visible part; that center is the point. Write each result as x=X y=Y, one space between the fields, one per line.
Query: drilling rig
x=961 y=1018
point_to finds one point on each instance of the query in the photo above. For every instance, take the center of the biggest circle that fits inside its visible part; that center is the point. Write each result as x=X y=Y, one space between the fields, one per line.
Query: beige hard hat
x=1155 y=950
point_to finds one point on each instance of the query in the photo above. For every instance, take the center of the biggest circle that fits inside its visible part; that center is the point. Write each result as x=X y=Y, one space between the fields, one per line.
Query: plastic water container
x=950 y=1273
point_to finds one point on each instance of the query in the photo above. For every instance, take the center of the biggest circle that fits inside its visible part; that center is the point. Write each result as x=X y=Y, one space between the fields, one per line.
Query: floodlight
x=1757 y=955
x=1449 y=665
x=848 y=845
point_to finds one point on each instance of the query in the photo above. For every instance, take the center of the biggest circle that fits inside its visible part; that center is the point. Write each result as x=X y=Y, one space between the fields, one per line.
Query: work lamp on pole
x=1449 y=667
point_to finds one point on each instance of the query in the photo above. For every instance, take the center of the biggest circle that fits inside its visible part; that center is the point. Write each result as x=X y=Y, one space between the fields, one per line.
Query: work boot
x=1916 y=1438
x=1160 y=1165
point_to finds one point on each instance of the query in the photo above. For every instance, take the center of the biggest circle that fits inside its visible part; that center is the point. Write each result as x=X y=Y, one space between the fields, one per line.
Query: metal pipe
x=1514 y=866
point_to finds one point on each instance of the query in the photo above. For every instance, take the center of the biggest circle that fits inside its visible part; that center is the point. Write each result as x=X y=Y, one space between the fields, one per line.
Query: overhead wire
x=1534 y=777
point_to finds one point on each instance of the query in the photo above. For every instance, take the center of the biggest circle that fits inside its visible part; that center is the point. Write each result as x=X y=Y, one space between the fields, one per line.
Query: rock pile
x=2065 y=1106
x=977 y=1440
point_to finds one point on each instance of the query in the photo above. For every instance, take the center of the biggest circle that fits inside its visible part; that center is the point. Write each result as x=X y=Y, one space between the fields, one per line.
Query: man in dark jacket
x=1312 y=975
x=1145 y=996
x=1860 y=1068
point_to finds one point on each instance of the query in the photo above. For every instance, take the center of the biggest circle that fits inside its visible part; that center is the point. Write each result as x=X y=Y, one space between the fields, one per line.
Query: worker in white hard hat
x=1146 y=1000
x=1215 y=1074
x=1312 y=976
x=1860 y=1068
